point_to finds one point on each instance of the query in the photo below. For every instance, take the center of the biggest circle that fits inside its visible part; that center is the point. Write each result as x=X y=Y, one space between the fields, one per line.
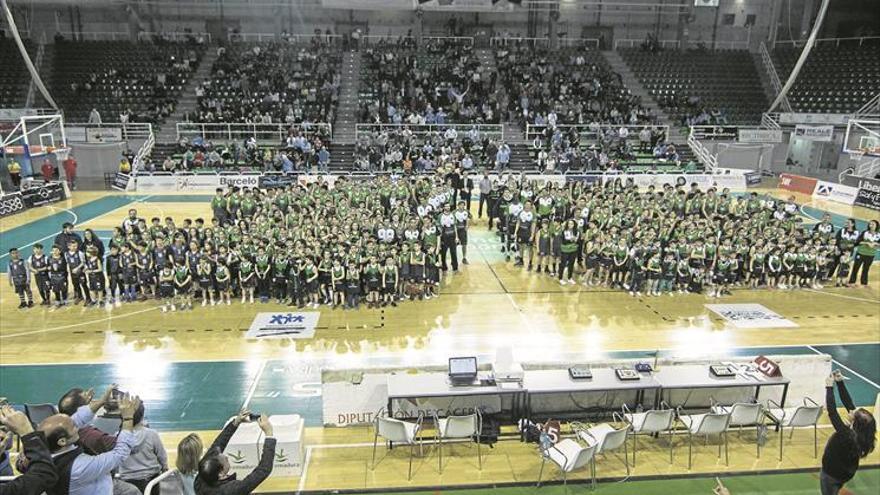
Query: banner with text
x=284 y=325
x=836 y=192
x=750 y=316
x=869 y=190
x=815 y=132
x=759 y=135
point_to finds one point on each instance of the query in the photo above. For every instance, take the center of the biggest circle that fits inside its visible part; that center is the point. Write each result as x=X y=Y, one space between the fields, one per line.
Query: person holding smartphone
x=214 y=477
x=849 y=443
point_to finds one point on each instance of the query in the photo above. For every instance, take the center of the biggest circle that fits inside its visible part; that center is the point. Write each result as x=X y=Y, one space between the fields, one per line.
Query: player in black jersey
x=113 y=269
x=38 y=264
x=75 y=265
x=58 y=276
x=20 y=279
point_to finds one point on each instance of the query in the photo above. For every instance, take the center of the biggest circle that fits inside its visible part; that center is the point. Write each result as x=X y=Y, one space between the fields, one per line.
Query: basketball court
x=195 y=368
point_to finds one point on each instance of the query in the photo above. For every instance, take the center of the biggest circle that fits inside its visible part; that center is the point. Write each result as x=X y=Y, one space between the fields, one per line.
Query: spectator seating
x=142 y=79
x=689 y=83
x=834 y=79
x=272 y=82
x=578 y=84
x=441 y=81
x=14 y=78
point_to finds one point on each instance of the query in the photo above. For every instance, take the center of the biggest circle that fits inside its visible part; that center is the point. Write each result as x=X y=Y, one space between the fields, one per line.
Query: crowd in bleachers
x=565 y=86
x=438 y=82
x=402 y=150
x=14 y=77
x=304 y=148
x=122 y=81
x=271 y=82
x=103 y=445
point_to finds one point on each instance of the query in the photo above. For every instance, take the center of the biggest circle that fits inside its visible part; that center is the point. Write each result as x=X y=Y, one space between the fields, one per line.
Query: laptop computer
x=462 y=371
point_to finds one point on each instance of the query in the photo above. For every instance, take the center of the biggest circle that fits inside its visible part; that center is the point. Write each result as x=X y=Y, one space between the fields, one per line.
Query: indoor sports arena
x=439 y=246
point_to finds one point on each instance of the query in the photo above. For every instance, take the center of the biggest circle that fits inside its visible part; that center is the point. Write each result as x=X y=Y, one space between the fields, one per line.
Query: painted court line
x=842 y=296
x=847 y=368
x=74 y=325
x=256 y=382
x=76 y=219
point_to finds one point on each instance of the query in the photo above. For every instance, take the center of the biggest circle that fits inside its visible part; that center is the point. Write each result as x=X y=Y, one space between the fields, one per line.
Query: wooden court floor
x=488 y=304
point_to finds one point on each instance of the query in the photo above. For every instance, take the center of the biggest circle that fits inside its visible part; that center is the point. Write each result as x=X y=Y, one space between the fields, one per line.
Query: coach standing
x=485 y=189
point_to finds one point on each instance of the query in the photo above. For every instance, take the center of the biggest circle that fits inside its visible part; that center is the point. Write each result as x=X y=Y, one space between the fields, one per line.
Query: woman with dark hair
x=866 y=250
x=848 y=443
x=91 y=239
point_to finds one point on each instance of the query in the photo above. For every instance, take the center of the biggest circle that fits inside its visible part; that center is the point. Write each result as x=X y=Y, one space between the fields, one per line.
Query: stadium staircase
x=769 y=92
x=635 y=86
x=188 y=102
x=347 y=113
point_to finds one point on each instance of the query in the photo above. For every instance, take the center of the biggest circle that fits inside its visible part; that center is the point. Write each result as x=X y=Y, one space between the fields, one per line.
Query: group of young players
x=376 y=241
x=671 y=240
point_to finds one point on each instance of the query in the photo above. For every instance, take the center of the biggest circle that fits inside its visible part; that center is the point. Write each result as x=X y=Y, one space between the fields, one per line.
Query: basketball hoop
x=60 y=153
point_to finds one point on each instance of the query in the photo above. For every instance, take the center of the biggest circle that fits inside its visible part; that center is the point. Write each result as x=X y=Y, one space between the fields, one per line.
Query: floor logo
x=284 y=325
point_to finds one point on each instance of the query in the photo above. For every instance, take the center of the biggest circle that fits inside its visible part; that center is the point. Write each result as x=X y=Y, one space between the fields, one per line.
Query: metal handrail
x=836 y=41
x=634 y=43
x=871 y=108
x=172 y=35
x=501 y=40
x=708 y=160
x=422 y=129
x=774 y=76
x=158 y=479
x=96 y=35
x=232 y=131
x=535 y=130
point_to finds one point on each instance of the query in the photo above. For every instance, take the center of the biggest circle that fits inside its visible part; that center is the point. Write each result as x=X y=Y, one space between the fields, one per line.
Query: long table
x=403 y=386
x=545 y=383
x=698 y=377
x=604 y=380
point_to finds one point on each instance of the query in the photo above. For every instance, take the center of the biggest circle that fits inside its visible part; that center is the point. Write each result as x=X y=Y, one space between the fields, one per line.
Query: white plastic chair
x=651 y=422
x=744 y=414
x=706 y=424
x=569 y=455
x=606 y=437
x=802 y=416
x=397 y=431
x=459 y=427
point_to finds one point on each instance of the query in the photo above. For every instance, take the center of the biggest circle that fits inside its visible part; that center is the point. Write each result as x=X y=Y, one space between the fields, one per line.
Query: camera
x=253 y=416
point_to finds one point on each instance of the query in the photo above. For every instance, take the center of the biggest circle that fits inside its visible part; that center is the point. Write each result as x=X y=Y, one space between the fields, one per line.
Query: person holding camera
x=40 y=475
x=83 y=474
x=214 y=477
x=849 y=443
x=92 y=440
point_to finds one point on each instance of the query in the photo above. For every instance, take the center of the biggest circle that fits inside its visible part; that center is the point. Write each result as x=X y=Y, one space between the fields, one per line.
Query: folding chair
x=569 y=455
x=654 y=421
x=744 y=414
x=397 y=431
x=606 y=437
x=459 y=427
x=706 y=424
x=805 y=415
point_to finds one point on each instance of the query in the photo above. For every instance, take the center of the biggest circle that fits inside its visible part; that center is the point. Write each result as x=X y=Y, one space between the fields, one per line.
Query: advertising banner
x=836 y=192
x=869 y=191
x=703 y=181
x=43 y=194
x=753 y=178
x=797 y=183
x=10 y=204
x=815 y=132
x=283 y=325
x=750 y=316
x=155 y=183
x=103 y=135
x=196 y=182
x=759 y=135
x=120 y=181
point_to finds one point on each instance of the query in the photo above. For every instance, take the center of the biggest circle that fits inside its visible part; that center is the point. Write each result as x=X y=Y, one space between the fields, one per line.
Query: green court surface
x=190 y=396
x=866 y=482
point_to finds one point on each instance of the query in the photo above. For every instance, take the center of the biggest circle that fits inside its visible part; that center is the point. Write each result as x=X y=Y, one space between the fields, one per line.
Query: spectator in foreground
x=189 y=451
x=40 y=476
x=148 y=458
x=214 y=477
x=83 y=474
x=849 y=442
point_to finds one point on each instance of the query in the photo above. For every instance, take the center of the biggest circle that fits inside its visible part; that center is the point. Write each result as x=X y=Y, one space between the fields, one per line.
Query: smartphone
x=254 y=416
